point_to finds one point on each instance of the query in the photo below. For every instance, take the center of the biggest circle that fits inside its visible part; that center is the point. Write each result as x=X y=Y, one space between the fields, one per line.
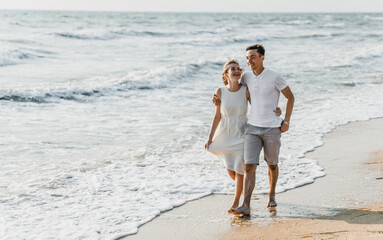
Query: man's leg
x=249 y=184
x=272 y=139
x=273 y=178
x=252 y=150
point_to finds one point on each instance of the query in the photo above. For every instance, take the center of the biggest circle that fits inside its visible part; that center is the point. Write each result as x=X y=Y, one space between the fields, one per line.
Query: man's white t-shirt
x=264 y=93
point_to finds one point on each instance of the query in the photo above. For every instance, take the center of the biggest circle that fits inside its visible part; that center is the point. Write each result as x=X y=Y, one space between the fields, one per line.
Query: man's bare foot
x=242 y=210
x=272 y=202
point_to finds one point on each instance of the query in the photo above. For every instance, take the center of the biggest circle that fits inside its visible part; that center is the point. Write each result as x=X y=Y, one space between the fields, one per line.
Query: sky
x=199 y=5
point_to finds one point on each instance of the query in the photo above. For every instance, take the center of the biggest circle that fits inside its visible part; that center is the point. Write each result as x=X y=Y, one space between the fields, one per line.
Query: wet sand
x=347 y=203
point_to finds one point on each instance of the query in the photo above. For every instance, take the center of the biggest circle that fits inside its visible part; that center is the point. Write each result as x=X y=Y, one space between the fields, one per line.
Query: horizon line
x=136 y=11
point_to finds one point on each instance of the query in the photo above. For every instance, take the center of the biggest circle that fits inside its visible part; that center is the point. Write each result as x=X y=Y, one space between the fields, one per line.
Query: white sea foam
x=334 y=25
x=375 y=18
x=299 y=22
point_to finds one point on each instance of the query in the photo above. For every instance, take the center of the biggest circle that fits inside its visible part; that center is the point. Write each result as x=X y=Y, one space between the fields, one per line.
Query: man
x=263 y=128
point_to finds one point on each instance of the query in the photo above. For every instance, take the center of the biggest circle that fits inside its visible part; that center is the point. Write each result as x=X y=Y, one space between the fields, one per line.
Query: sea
x=104 y=115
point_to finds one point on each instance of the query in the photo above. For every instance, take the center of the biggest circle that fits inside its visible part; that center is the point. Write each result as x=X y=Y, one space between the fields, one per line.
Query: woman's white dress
x=228 y=140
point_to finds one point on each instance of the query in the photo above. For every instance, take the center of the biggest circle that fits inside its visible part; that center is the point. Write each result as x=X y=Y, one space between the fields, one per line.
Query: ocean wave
x=24 y=41
x=251 y=37
x=13 y=55
x=37 y=96
x=213 y=31
x=367 y=17
x=315 y=35
x=105 y=34
x=221 y=40
x=352 y=84
x=151 y=33
x=299 y=22
x=369 y=53
x=107 y=85
x=334 y=25
x=376 y=79
x=88 y=35
x=356 y=56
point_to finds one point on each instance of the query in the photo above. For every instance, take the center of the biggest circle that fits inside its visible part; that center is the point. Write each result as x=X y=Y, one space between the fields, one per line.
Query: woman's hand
x=207 y=144
x=278 y=111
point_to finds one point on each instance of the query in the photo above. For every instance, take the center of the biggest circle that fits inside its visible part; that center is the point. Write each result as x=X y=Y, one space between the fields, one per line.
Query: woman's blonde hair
x=226 y=69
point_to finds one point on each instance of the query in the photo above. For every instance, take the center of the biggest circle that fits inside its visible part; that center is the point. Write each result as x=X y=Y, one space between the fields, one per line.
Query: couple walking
x=238 y=141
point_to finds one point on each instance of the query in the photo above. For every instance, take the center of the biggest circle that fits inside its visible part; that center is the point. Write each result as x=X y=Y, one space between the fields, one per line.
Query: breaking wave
x=107 y=85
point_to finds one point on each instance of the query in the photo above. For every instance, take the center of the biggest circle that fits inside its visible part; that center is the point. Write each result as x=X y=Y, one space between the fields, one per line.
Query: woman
x=226 y=137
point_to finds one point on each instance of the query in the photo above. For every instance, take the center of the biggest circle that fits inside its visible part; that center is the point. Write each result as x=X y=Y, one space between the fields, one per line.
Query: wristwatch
x=286 y=122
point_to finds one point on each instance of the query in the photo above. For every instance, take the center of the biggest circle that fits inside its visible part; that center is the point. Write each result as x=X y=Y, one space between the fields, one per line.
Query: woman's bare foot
x=242 y=210
x=272 y=202
x=231 y=210
x=233 y=207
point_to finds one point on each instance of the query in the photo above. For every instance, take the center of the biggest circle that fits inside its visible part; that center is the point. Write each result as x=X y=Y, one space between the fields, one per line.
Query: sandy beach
x=347 y=203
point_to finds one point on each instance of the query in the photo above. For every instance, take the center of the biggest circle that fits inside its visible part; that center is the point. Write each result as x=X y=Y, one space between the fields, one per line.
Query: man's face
x=253 y=59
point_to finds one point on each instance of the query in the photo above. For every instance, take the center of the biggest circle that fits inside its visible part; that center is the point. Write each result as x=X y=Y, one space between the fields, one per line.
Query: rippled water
x=104 y=115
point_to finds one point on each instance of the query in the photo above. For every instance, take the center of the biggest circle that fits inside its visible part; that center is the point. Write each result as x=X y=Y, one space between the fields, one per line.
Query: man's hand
x=284 y=127
x=216 y=101
x=289 y=108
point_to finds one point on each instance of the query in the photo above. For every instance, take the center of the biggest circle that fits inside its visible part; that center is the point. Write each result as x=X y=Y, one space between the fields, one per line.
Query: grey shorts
x=257 y=138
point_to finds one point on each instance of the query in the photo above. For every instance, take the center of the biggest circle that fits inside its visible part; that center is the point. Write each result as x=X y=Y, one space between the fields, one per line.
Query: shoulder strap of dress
x=223 y=91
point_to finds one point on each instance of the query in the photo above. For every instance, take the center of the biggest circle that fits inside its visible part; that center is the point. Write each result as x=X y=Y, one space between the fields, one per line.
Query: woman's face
x=234 y=72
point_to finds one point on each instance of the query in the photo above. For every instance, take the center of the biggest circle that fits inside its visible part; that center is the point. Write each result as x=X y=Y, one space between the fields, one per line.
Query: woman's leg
x=238 y=190
x=231 y=174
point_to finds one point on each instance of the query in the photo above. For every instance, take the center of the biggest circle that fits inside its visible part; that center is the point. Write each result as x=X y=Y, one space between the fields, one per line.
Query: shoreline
x=350 y=188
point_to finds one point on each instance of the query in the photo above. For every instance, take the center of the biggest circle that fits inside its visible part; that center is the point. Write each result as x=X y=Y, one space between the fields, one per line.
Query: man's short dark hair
x=260 y=49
